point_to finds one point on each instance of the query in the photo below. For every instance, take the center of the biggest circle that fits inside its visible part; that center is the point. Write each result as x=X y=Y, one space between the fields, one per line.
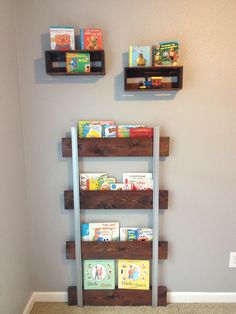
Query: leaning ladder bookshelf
x=106 y=200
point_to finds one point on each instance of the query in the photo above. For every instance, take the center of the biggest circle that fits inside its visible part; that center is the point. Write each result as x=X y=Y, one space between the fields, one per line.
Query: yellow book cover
x=133 y=274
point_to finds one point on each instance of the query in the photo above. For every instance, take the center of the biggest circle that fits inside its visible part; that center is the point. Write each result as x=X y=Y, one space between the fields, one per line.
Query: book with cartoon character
x=99 y=274
x=62 y=37
x=90 y=38
x=77 y=62
x=166 y=53
x=140 y=56
x=133 y=274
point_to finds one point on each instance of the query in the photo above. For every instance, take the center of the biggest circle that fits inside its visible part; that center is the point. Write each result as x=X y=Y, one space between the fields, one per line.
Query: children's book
x=141 y=132
x=77 y=62
x=92 y=131
x=133 y=274
x=166 y=53
x=62 y=37
x=120 y=186
x=90 y=38
x=84 y=123
x=139 y=234
x=124 y=130
x=97 y=230
x=87 y=180
x=140 y=56
x=99 y=274
x=85 y=232
x=105 y=183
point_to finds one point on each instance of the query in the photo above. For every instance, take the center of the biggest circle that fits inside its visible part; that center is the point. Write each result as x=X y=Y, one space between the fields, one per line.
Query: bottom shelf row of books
x=101 y=274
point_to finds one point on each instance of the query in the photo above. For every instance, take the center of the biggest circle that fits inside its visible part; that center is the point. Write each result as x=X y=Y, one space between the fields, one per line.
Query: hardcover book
x=133 y=274
x=90 y=38
x=99 y=274
x=77 y=62
x=87 y=179
x=139 y=56
x=166 y=53
x=104 y=231
x=139 y=234
x=62 y=37
x=84 y=123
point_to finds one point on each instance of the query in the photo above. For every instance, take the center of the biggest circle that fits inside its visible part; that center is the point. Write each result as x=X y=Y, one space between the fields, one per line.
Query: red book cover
x=141 y=132
x=91 y=38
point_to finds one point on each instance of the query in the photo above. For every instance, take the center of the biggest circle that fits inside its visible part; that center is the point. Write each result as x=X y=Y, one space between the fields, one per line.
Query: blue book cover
x=140 y=56
x=132 y=235
x=82 y=39
x=85 y=232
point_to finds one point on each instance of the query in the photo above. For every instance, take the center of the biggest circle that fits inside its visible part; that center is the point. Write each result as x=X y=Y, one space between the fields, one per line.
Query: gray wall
x=201 y=170
x=15 y=285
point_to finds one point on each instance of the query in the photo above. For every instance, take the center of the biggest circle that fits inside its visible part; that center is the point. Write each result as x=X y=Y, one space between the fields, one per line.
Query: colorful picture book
x=62 y=37
x=90 y=38
x=100 y=231
x=166 y=53
x=77 y=62
x=133 y=274
x=139 y=181
x=124 y=130
x=140 y=56
x=99 y=274
x=135 y=234
x=89 y=181
x=93 y=128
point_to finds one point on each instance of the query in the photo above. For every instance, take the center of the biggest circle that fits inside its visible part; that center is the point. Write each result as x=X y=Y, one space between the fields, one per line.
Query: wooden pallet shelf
x=117 y=297
x=116 y=199
x=117 y=250
x=115 y=147
x=55 y=62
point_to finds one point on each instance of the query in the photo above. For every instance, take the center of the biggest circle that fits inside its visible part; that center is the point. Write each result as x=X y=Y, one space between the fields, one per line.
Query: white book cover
x=129 y=177
x=123 y=233
x=96 y=227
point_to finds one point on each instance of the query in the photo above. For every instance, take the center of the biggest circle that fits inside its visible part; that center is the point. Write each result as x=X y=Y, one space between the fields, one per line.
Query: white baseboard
x=172 y=297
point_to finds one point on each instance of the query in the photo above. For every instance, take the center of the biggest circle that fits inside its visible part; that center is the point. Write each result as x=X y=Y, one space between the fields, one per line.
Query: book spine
x=130 y=56
x=82 y=39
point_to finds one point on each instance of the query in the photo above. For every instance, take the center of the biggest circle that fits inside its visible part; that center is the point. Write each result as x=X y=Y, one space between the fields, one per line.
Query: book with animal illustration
x=85 y=125
x=133 y=274
x=166 y=53
x=99 y=274
x=140 y=56
x=77 y=62
x=62 y=37
x=90 y=38
x=135 y=234
x=104 y=231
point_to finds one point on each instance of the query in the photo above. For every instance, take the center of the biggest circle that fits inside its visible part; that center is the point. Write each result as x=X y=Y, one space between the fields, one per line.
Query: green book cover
x=77 y=62
x=99 y=274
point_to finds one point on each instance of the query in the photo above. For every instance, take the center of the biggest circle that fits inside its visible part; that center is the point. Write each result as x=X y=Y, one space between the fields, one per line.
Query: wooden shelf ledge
x=116 y=199
x=117 y=297
x=116 y=250
x=115 y=147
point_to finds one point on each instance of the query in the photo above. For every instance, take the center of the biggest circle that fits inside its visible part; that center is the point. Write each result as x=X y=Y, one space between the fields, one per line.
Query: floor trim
x=172 y=297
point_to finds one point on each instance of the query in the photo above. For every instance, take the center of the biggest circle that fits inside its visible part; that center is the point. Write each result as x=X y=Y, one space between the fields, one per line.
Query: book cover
x=133 y=274
x=96 y=226
x=77 y=62
x=105 y=183
x=139 y=56
x=141 y=132
x=166 y=53
x=120 y=186
x=130 y=177
x=82 y=123
x=62 y=37
x=144 y=234
x=132 y=234
x=90 y=38
x=85 y=232
x=123 y=232
x=92 y=131
x=85 y=179
x=99 y=274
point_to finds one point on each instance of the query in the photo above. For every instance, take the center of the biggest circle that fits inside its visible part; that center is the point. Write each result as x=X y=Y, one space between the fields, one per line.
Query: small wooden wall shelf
x=116 y=199
x=55 y=62
x=172 y=78
x=117 y=250
x=117 y=297
x=119 y=147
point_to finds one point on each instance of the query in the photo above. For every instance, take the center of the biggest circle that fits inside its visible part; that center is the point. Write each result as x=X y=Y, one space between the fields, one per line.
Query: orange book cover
x=91 y=38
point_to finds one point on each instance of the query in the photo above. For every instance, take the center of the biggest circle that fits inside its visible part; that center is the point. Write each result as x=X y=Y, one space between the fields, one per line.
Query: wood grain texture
x=116 y=250
x=117 y=297
x=119 y=147
x=116 y=199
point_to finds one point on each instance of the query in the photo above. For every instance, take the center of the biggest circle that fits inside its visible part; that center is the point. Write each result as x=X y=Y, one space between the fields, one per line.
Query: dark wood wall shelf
x=172 y=78
x=116 y=147
x=116 y=250
x=55 y=62
x=117 y=297
x=116 y=199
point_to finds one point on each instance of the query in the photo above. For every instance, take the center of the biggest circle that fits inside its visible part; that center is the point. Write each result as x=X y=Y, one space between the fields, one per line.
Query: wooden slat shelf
x=117 y=297
x=115 y=147
x=116 y=250
x=116 y=199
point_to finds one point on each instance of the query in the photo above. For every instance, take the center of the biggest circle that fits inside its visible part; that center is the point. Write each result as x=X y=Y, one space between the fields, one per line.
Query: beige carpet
x=61 y=308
